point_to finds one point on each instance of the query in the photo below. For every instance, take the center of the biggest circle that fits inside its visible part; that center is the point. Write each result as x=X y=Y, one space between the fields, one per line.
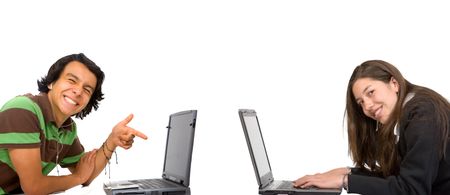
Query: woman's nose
x=368 y=104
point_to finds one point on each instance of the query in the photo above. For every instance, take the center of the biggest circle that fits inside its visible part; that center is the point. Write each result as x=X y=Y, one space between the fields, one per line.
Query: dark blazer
x=422 y=170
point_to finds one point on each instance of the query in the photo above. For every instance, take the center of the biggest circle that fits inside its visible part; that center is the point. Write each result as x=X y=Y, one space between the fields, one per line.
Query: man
x=37 y=132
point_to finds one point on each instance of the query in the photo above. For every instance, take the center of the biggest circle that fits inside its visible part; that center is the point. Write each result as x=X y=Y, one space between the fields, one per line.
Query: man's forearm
x=50 y=184
x=104 y=154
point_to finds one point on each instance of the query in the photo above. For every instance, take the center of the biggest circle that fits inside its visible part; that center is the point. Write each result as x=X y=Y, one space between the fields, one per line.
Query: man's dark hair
x=55 y=72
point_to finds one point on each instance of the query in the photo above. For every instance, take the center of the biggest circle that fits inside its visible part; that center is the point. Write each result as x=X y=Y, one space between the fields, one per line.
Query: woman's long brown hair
x=372 y=145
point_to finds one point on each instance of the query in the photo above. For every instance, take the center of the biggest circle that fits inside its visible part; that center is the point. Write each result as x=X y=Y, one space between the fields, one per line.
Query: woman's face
x=376 y=98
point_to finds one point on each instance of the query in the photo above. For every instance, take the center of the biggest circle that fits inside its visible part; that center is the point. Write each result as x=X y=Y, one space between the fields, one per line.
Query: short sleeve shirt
x=27 y=122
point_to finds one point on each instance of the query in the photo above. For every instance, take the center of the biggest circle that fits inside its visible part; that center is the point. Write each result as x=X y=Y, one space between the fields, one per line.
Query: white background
x=289 y=60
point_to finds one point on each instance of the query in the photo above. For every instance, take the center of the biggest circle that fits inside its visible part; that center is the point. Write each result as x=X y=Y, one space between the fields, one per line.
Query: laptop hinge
x=173 y=179
x=266 y=184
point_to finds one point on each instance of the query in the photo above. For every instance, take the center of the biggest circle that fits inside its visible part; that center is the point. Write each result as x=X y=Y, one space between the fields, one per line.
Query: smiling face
x=376 y=98
x=72 y=91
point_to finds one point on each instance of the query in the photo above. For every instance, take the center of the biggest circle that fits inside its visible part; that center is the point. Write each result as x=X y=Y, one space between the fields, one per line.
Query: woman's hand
x=330 y=179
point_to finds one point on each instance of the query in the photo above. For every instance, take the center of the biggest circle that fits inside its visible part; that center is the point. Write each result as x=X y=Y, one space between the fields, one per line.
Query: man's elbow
x=34 y=186
x=87 y=183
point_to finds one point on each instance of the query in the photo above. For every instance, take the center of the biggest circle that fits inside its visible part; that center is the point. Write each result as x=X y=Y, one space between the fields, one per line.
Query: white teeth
x=70 y=101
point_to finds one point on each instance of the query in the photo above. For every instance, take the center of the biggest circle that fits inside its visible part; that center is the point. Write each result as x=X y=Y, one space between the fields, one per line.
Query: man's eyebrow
x=72 y=75
x=76 y=78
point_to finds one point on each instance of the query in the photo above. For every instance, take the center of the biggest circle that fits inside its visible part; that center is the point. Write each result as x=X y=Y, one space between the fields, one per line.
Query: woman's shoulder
x=424 y=105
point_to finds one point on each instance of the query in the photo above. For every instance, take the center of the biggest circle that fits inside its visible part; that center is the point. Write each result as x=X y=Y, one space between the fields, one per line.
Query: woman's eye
x=360 y=103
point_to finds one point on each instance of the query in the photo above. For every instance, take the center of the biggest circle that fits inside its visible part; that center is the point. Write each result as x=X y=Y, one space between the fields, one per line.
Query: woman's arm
x=419 y=149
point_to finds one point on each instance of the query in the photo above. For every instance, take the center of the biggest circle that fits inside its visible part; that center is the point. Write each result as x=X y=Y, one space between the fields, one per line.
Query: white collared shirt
x=408 y=97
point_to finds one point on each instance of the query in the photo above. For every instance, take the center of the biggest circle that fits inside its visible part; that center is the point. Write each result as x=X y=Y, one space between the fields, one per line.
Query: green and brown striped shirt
x=27 y=122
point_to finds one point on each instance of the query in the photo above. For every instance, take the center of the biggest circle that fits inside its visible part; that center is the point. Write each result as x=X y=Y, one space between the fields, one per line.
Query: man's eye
x=88 y=91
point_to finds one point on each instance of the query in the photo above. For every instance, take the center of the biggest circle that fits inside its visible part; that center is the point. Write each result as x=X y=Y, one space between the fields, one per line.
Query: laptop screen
x=256 y=146
x=180 y=138
x=255 y=138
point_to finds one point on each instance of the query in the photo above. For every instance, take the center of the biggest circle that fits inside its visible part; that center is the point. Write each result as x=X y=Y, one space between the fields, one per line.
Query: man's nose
x=76 y=90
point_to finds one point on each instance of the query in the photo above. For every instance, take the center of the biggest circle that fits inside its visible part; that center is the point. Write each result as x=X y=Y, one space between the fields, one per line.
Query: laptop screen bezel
x=181 y=179
x=263 y=180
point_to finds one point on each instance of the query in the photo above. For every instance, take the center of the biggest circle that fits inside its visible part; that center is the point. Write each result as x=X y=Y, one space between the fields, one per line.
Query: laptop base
x=296 y=193
x=187 y=191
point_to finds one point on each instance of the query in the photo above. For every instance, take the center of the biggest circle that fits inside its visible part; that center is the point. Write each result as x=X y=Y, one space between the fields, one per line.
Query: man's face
x=72 y=91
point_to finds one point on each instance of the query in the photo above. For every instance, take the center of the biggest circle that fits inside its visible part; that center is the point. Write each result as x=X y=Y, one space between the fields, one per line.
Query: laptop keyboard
x=286 y=185
x=280 y=184
x=153 y=183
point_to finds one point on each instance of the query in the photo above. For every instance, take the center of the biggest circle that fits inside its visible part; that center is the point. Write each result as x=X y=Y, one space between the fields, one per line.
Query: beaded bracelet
x=107 y=148
x=104 y=145
x=106 y=156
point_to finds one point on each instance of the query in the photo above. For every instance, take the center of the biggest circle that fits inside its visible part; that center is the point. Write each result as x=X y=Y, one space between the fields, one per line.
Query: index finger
x=139 y=134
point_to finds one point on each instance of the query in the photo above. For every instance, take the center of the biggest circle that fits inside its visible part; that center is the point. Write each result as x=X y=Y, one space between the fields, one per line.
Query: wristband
x=345 y=179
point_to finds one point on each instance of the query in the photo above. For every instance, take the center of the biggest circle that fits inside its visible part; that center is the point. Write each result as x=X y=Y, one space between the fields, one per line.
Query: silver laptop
x=261 y=165
x=177 y=162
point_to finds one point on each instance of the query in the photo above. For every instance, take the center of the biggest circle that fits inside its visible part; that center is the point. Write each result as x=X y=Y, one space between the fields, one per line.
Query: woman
x=398 y=136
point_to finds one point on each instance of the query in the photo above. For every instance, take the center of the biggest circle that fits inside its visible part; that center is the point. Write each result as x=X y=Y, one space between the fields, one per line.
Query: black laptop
x=261 y=165
x=177 y=162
